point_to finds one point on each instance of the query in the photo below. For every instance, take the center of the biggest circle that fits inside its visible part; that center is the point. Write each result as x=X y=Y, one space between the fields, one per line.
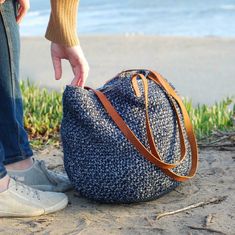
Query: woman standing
x=27 y=187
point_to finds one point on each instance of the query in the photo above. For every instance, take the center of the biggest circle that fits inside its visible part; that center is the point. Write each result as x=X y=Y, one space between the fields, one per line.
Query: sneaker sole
x=4 y=214
x=59 y=206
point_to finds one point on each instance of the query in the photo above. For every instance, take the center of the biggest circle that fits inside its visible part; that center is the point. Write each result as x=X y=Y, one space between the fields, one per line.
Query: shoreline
x=200 y=68
x=110 y=35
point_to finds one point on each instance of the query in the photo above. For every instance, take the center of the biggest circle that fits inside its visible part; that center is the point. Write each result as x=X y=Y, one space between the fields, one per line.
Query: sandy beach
x=215 y=180
x=191 y=43
x=200 y=68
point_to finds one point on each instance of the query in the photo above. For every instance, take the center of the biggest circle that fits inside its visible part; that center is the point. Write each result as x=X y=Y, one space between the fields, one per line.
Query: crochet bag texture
x=128 y=141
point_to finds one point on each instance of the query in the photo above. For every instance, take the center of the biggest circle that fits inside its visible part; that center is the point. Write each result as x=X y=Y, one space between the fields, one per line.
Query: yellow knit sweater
x=62 y=26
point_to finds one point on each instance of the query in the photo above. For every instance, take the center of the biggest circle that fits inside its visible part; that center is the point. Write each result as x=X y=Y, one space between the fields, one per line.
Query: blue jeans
x=14 y=144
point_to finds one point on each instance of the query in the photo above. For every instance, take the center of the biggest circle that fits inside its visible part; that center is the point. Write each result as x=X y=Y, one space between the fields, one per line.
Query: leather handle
x=148 y=127
x=153 y=156
x=187 y=122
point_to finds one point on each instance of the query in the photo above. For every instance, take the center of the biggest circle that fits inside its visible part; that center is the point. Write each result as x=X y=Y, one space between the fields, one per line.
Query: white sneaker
x=20 y=200
x=39 y=177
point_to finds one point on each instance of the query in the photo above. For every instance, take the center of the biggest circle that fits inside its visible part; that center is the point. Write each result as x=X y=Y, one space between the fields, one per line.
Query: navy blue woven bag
x=128 y=141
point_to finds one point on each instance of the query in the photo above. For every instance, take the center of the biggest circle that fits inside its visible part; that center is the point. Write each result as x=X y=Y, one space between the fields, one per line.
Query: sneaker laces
x=26 y=189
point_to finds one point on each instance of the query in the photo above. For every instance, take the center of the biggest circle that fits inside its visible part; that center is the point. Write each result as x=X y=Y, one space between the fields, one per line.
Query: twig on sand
x=207 y=229
x=199 y=204
x=208 y=220
x=220 y=133
x=221 y=140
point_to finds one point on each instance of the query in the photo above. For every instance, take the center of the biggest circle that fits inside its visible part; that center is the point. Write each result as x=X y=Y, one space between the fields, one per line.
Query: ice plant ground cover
x=43 y=114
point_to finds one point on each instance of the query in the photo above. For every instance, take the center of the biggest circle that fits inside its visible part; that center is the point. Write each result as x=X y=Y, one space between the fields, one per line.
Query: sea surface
x=148 y=17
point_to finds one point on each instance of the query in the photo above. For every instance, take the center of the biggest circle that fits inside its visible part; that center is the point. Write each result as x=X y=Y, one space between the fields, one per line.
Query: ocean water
x=147 y=17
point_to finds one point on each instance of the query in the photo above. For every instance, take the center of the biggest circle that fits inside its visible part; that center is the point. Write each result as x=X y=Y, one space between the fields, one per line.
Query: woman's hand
x=23 y=8
x=76 y=59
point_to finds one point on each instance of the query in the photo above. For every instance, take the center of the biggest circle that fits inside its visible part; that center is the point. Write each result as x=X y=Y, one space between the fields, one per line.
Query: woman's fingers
x=22 y=10
x=74 y=82
x=76 y=59
x=81 y=82
x=21 y=13
x=80 y=69
x=57 y=56
x=57 y=67
x=80 y=75
x=77 y=71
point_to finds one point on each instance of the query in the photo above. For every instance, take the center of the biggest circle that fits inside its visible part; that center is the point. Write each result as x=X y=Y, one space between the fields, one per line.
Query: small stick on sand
x=222 y=140
x=208 y=220
x=207 y=229
x=199 y=204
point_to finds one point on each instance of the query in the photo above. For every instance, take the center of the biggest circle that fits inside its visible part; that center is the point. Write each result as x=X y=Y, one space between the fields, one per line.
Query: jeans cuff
x=18 y=157
x=3 y=173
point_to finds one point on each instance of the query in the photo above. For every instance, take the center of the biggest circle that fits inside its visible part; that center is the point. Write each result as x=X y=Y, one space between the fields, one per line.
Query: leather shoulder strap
x=153 y=155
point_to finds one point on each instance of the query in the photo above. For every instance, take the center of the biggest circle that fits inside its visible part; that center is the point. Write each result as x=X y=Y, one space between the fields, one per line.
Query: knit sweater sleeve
x=62 y=26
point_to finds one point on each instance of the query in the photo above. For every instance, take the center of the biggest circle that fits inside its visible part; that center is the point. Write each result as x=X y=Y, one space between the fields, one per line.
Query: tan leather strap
x=187 y=122
x=148 y=127
x=153 y=156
